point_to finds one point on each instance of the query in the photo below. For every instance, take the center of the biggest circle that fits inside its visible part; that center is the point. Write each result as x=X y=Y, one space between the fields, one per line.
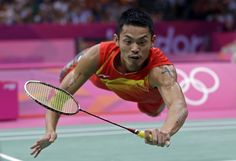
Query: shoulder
x=106 y=50
x=108 y=46
x=100 y=50
x=157 y=51
x=158 y=57
x=103 y=47
x=163 y=75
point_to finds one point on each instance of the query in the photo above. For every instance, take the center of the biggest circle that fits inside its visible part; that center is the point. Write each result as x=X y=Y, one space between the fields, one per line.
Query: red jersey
x=130 y=86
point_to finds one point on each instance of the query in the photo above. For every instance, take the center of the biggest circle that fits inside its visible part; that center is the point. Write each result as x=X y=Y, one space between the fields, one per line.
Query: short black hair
x=136 y=17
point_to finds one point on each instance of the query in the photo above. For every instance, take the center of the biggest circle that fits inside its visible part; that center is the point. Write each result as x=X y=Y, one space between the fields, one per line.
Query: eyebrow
x=142 y=37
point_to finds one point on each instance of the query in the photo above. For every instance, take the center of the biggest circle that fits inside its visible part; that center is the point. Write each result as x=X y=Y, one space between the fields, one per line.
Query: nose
x=135 y=48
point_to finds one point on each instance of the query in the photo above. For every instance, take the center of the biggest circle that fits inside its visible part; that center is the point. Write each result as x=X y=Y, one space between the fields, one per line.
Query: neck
x=119 y=65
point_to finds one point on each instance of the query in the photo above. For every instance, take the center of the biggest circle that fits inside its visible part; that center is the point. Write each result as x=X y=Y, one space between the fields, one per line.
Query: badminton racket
x=61 y=101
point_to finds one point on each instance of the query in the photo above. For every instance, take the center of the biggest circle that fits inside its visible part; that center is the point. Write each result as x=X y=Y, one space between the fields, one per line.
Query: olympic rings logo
x=197 y=84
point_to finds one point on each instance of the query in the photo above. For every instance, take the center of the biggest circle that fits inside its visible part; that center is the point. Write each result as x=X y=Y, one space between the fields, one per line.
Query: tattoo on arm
x=71 y=65
x=77 y=57
x=168 y=71
x=179 y=123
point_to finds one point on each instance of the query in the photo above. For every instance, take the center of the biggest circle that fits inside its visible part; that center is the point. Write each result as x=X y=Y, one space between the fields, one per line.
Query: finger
x=167 y=144
x=35 y=150
x=34 y=146
x=148 y=137
x=155 y=135
x=32 y=153
x=37 y=153
x=164 y=139
x=161 y=140
x=52 y=138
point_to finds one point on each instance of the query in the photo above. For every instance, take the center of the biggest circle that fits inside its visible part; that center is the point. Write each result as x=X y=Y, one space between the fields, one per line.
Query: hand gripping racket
x=61 y=101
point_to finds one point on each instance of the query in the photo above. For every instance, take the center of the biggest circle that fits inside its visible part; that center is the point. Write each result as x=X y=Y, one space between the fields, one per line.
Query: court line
x=102 y=131
x=187 y=126
x=109 y=128
x=4 y=156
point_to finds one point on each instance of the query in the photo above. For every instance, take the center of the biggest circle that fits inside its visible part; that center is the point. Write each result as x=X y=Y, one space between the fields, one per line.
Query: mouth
x=134 y=57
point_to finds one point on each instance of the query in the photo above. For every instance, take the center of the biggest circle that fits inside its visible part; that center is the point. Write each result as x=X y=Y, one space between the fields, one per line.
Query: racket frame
x=48 y=107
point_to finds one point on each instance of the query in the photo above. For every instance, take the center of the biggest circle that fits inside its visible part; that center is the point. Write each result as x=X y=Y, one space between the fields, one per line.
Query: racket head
x=51 y=97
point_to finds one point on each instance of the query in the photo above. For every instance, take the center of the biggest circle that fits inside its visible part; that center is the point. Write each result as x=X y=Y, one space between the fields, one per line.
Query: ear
x=116 y=39
x=153 y=39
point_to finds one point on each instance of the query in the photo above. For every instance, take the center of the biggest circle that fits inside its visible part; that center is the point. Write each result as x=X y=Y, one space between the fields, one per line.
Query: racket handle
x=141 y=134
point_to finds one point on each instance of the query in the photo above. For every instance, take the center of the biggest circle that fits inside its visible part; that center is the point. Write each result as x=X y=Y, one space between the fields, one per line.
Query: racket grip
x=141 y=134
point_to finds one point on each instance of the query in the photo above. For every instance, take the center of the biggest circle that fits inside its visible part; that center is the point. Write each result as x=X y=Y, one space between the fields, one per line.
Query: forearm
x=51 y=120
x=71 y=85
x=175 y=119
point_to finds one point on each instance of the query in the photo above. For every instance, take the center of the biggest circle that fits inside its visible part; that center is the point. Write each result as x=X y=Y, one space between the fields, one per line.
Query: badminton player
x=134 y=70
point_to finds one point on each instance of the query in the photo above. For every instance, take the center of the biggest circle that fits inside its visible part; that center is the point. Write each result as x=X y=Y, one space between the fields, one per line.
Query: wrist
x=165 y=130
x=50 y=129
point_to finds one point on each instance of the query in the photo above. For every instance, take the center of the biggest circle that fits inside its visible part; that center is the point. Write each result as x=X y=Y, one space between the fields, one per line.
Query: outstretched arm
x=86 y=66
x=165 y=79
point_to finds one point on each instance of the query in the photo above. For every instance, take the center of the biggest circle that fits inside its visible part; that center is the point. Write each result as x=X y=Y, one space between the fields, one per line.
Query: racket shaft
x=131 y=130
x=141 y=134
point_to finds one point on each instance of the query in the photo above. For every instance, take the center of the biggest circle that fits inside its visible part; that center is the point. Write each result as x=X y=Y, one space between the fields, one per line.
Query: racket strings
x=53 y=98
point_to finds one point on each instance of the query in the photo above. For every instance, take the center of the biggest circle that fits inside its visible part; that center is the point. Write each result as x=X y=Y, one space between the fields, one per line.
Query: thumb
x=53 y=137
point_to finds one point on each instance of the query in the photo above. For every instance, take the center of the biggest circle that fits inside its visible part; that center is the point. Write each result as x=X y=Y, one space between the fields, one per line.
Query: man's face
x=135 y=43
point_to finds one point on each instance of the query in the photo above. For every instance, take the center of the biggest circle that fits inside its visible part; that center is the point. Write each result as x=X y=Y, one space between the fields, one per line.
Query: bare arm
x=165 y=79
x=86 y=66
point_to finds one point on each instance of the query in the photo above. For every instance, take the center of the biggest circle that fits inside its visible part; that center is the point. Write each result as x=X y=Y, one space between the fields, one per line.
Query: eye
x=127 y=42
x=142 y=42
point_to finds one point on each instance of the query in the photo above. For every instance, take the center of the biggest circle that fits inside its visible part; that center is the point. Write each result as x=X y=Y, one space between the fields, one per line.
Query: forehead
x=135 y=31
